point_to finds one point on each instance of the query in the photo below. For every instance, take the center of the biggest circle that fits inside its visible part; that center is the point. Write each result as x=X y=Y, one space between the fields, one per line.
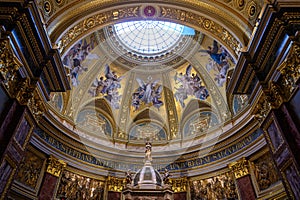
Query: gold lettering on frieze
x=55 y=166
x=240 y=168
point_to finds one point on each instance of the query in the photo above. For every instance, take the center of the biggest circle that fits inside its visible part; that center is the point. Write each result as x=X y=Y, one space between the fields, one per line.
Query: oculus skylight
x=150 y=37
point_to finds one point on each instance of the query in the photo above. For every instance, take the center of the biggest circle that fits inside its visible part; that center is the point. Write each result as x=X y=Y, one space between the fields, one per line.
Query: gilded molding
x=80 y=29
x=36 y=106
x=87 y=25
x=17 y=87
x=171 y=110
x=55 y=166
x=279 y=92
x=240 y=168
x=8 y=64
x=290 y=71
x=203 y=23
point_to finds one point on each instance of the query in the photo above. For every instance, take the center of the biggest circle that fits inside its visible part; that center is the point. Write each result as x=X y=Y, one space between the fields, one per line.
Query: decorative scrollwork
x=290 y=71
x=240 y=168
x=55 y=166
x=8 y=65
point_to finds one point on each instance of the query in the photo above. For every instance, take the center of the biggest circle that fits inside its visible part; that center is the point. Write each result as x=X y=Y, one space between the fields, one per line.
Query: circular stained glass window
x=148 y=37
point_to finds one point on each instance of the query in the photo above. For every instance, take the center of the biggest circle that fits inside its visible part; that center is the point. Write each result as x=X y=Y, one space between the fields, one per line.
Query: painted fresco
x=94 y=122
x=148 y=93
x=76 y=55
x=108 y=87
x=219 y=62
x=147 y=130
x=199 y=123
x=189 y=84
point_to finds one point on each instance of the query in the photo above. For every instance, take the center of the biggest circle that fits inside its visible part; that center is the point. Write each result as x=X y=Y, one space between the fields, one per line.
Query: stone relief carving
x=30 y=170
x=75 y=187
x=265 y=172
x=218 y=187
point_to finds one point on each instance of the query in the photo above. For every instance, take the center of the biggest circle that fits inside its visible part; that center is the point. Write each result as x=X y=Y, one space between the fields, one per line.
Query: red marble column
x=180 y=196
x=48 y=187
x=51 y=178
x=15 y=132
x=114 y=195
x=245 y=188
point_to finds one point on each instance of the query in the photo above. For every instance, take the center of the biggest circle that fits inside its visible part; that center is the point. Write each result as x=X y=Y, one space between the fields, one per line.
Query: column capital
x=55 y=166
x=240 y=168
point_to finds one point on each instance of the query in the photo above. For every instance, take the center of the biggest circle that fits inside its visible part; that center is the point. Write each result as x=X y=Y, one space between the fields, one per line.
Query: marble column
x=51 y=178
x=241 y=172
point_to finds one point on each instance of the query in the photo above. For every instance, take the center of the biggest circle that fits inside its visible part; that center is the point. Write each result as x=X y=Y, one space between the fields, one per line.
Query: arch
x=230 y=32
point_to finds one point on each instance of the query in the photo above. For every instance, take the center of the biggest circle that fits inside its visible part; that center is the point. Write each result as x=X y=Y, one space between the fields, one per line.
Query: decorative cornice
x=290 y=71
x=55 y=166
x=97 y=21
x=276 y=93
x=262 y=108
x=36 y=106
x=8 y=64
x=240 y=168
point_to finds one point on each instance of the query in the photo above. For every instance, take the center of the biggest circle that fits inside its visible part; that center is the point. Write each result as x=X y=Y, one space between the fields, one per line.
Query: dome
x=146 y=77
x=147 y=177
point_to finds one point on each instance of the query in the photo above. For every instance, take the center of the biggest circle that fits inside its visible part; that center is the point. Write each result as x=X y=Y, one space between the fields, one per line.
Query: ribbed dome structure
x=147 y=176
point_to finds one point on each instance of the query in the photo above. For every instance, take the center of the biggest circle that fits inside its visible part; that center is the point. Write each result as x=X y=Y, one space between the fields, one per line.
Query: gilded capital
x=240 y=168
x=55 y=166
x=178 y=184
x=116 y=184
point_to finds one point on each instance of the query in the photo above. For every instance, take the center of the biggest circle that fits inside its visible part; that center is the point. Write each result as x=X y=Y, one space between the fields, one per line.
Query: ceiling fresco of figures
x=126 y=97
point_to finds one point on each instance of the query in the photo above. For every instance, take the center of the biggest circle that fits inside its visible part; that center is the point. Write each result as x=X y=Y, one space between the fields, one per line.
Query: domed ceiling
x=144 y=73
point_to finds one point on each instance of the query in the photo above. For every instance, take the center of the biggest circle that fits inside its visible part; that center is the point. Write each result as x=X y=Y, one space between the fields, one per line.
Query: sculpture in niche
x=75 y=187
x=108 y=87
x=29 y=170
x=76 y=55
x=265 y=172
x=148 y=93
x=189 y=84
x=220 y=62
x=218 y=187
